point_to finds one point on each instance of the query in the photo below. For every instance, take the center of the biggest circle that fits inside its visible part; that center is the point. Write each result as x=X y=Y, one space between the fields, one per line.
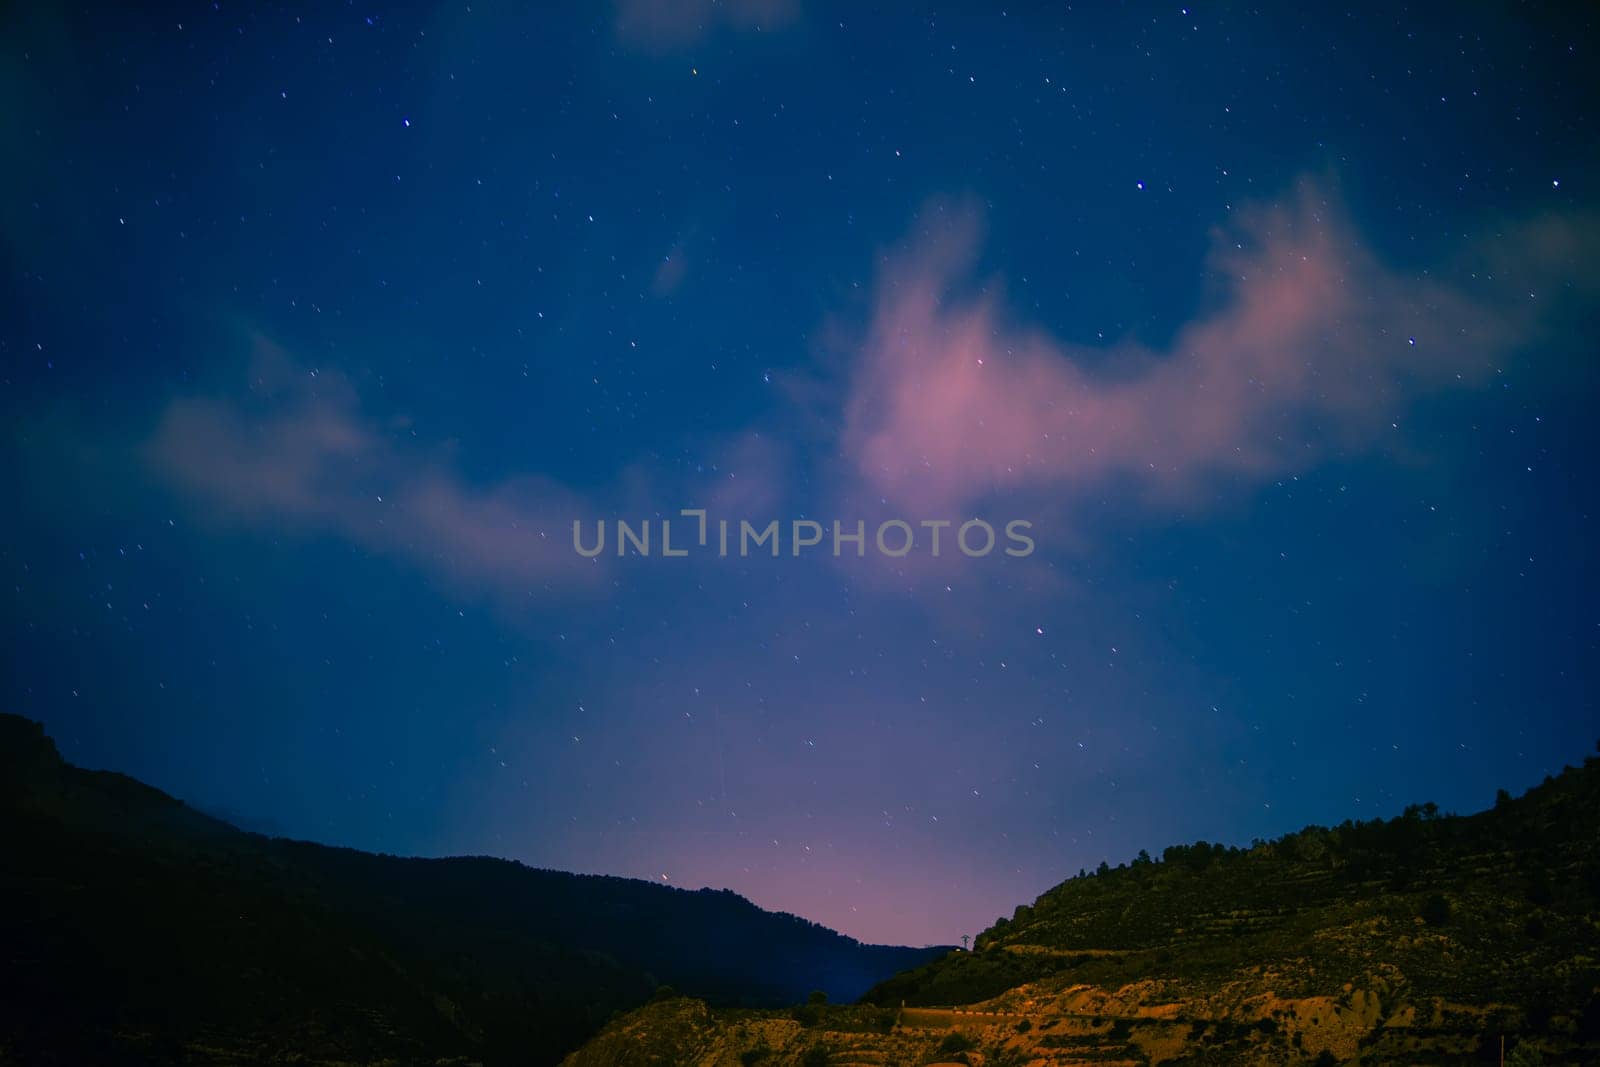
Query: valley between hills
x=1422 y=939
x=139 y=930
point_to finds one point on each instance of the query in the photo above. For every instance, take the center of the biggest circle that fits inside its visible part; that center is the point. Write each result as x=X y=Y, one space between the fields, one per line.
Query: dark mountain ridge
x=137 y=928
x=1516 y=887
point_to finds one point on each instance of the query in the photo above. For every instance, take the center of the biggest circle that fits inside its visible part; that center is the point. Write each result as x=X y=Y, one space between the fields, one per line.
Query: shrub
x=1435 y=910
x=956 y=1041
x=816 y=1056
x=1524 y=1055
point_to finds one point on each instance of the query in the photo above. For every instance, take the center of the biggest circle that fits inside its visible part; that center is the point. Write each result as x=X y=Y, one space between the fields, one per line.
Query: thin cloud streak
x=297 y=450
x=668 y=25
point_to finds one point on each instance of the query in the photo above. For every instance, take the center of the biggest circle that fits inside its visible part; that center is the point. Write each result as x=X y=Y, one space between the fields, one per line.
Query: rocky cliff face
x=1049 y=1024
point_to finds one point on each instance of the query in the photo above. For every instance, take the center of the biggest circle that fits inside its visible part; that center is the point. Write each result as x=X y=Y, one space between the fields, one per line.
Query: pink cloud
x=949 y=409
x=1311 y=346
x=298 y=450
x=664 y=25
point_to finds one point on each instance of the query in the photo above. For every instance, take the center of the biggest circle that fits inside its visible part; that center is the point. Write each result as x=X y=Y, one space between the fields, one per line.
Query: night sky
x=320 y=326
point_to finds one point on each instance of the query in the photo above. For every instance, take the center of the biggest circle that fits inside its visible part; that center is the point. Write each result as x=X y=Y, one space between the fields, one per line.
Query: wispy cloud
x=948 y=408
x=297 y=450
x=667 y=25
x=1312 y=345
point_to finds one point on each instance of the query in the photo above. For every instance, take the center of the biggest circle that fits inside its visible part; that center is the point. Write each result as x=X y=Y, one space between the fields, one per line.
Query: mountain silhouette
x=137 y=929
x=1421 y=939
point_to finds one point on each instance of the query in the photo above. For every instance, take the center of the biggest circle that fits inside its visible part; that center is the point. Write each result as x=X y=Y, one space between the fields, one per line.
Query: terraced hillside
x=1426 y=938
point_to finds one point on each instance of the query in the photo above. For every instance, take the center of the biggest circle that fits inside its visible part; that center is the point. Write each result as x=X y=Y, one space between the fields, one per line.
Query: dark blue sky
x=320 y=327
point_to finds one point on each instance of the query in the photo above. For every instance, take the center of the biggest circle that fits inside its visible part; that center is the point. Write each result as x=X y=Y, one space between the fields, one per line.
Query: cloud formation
x=1311 y=346
x=297 y=450
x=666 y=25
x=949 y=408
